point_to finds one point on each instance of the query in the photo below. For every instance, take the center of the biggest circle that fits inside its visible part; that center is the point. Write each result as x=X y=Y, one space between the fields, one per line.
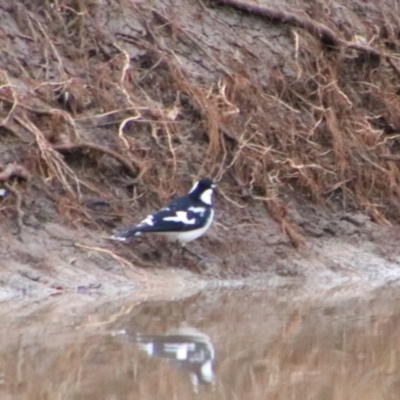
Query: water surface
x=233 y=344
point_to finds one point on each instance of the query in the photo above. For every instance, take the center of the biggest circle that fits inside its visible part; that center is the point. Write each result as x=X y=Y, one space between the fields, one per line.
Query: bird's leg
x=199 y=257
x=178 y=249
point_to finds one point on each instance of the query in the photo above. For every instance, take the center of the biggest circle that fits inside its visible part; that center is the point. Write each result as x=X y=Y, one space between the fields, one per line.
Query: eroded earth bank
x=110 y=108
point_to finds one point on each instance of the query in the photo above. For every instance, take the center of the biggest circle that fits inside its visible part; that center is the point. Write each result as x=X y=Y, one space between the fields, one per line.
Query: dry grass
x=136 y=96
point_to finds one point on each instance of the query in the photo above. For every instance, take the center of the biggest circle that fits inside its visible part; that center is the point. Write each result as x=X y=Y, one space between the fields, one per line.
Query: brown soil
x=109 y=109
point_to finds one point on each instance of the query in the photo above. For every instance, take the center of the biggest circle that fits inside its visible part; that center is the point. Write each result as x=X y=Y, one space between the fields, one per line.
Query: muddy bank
x=108 y=110
x=57 y=261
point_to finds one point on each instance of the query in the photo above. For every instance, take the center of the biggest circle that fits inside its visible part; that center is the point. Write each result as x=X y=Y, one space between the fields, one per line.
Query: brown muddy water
x=276 y=343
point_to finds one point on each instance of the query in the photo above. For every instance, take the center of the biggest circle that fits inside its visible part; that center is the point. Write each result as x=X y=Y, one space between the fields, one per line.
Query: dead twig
x=325 y=34
x=278 y=213
x=121 y=260
x=13 y=170
x=52 y=158
x=15 y=101
x=389 y=157
x=18 y=205
x=134 y=168
x=395 y=67
x=122 y=126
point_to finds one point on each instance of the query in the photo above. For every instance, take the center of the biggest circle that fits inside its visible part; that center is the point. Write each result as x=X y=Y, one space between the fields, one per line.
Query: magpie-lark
x=184 y=219
x=186 y=348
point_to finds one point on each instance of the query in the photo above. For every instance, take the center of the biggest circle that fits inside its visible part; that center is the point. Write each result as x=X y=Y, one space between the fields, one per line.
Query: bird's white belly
x=188 y=236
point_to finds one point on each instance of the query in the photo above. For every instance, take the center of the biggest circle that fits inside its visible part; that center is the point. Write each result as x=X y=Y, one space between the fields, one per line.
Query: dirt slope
x=108 y=109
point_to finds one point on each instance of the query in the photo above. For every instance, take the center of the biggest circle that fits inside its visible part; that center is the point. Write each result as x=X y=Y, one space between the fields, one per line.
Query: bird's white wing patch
x=116 y=237
x=181 y=216
x=206 y=196
x=197 y=210
x=148 y=221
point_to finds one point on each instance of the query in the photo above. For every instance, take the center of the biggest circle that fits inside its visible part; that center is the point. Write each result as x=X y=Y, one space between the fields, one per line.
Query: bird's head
x=203 y=190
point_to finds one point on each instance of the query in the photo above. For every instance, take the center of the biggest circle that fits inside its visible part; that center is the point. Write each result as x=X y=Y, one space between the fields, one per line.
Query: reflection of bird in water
x=186 y=348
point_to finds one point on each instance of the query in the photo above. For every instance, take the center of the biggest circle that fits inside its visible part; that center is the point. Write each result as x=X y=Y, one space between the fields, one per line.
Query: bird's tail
x=123 y=235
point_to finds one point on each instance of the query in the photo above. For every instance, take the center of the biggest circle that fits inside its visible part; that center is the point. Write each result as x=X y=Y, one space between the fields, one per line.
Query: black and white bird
x=186 y=348
x=184 y=219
